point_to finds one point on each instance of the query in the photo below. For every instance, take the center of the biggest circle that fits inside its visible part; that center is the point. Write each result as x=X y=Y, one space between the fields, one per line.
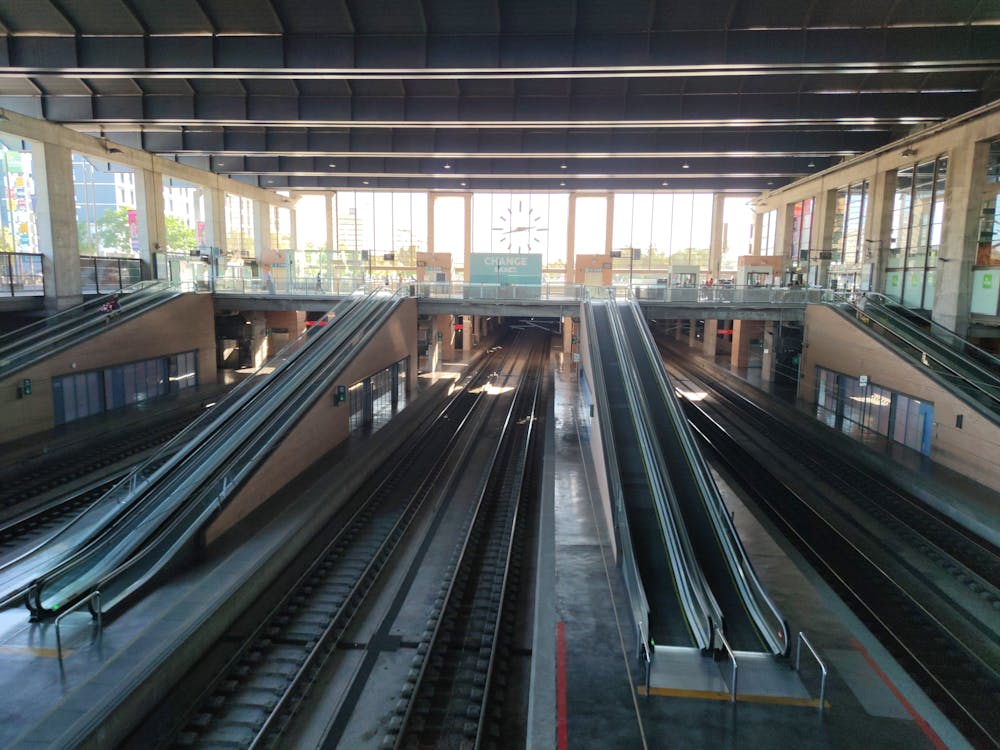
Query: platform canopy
x=724 y=95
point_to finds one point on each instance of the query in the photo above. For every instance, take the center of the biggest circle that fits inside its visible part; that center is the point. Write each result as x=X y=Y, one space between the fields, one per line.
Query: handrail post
x=798 y=653
x=732 y=658
x=95 y=595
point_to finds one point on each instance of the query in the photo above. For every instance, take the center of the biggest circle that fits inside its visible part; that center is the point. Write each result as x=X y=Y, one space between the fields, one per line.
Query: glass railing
x=21 y=275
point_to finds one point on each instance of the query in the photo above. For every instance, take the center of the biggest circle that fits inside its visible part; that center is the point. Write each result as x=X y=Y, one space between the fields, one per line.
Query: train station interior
x=442 y=373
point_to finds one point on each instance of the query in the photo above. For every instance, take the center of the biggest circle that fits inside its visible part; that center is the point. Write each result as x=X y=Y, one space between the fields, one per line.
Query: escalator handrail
x=638 y=600
x=774 y=628
x=181 y=494
x=123 y=501
x=701 y=609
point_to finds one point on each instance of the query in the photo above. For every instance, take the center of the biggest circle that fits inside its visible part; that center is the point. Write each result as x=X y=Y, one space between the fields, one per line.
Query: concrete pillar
x=55 y=212
x=957 y=254
x=823 y=211
x=743 y=332
x=879 y=230
x=710 y=345
x=758 y=227
x=570 y=277
x=678 y=330
x=331 y=224
x=768 y=358
x=151 y=218
x=215 y=220
x=716 y=243
x=693 y=333
x=261 y=228
x=567 y=335
x=467 y=250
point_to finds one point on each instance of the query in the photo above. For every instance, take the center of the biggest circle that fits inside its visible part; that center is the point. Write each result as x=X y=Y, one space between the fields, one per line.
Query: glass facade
x=842 y=403
x=87 y=393
x=666 y=229
x=184 y=214
x=374 y=401
x=768 y=226
x=522 y=223
x=849 y=213
x=917 y=216
x=18 y=227
x=106 y=218
x=239 y=226
x=801 y=237
x=988 y=245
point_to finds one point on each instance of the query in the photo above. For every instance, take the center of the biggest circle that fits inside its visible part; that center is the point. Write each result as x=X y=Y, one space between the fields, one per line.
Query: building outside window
x=239 y=226
x=917 y=216
x=801 y=237
x=768 y=226
x=847 y=241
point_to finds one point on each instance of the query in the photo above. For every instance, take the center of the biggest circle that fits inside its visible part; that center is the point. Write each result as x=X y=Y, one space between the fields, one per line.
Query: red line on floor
x=562 y=741
x=917 y=718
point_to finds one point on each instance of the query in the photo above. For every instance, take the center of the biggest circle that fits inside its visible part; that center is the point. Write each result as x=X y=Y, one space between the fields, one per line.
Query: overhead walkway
x=967 y=371
x=691 y=571
x=33 y=343
x=136 y=530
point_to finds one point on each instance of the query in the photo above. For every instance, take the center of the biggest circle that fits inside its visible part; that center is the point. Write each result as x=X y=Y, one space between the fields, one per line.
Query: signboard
x=863 y=381
x=505 y=268
x=133 y=229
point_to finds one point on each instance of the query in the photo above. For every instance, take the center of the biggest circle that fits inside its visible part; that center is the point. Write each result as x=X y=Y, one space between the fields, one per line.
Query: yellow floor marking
x=713 y=695
x=48 y=653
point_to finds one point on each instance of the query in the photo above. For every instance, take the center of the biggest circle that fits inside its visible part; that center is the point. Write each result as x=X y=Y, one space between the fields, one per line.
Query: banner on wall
x=133 y=229
x=505 y=268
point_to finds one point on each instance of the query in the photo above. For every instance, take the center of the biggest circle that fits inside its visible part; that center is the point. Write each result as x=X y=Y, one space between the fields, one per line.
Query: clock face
x=519 y=229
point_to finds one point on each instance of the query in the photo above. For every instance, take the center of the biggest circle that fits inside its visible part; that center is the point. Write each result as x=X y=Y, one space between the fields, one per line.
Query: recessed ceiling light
x=664 y=183
x=447 y=166
x=331 y=165
x=685 y=165
x=770 y=182
x=811 y=164
x=462 y=184
x=365 y=182
x=562 y=184
x=562 y=166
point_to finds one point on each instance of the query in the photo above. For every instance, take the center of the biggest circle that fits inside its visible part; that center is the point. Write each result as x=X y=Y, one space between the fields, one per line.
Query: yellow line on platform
x=47 y=653
x=713 y=695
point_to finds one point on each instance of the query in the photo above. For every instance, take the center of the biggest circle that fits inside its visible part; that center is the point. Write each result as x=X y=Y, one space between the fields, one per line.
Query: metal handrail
x=798 y=653
x=630 y=570
x=750 y=588
x=696 y=597
x=732 y=657
x=94 y=614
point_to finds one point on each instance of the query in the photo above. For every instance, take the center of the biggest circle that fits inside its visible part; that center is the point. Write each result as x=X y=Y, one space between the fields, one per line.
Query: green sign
x=987 y=281
x=505 y=268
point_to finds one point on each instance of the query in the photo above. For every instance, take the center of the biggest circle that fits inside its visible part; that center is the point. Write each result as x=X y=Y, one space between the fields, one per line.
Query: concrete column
x=743 y=332
x=710 y=345
x=693 y=333
x=467 y=251
x=151 y=218
x=823 y=211
x=567 y=336
x=331 y=224
x=55 y=213
x=715 y=247
x=879 y=230
x=570 y=277
x=758 y=227
x=678 y=330
x=768 y=358
x=261 y=229
x=957 y=254
x=215 y=220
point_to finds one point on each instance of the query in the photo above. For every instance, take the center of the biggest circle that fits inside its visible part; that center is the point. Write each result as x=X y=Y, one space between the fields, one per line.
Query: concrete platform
x=590 y=690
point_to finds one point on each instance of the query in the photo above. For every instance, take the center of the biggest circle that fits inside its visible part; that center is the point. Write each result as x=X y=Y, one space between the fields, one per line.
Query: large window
x=917 y=215
x=849 y=214
x=184 y=215
x=591 y=225
x=988 y=247
x=768 y=226
x=737 y=231
x=844 y=404
x=239 y=226
x=449 y=230
x=801 y=239
x=381 y=233
x=18 y=228
x=522 y=223
x=281 y=228
x=106 y=218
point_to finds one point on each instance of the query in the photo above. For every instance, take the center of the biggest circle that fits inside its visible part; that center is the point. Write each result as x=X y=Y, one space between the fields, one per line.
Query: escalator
x=969 y=372
x=167 y=512
x=751 y=622
x=31 y=344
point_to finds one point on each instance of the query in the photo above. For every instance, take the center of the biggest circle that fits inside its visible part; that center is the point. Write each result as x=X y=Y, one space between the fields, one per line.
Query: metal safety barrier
x=798 y=653
x=96 y=595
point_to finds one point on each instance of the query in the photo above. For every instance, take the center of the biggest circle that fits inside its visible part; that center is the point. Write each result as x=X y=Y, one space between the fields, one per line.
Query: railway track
x=264 y=691
x=456 y=695
x=925 y=587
